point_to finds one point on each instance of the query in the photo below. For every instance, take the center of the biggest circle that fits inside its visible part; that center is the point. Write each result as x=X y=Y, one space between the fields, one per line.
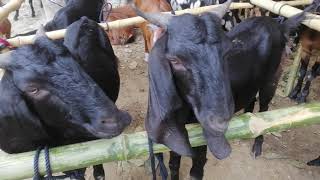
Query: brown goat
x=123 y=35
x=310 y=41
x=150 y=6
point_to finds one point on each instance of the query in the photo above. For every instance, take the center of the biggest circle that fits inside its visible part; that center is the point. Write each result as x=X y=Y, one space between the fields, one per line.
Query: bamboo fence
x=133 y=146
x=59 y=34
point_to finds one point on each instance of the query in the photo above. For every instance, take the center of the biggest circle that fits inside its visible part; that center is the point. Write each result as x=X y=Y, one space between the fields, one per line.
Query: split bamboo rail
x=133 y=146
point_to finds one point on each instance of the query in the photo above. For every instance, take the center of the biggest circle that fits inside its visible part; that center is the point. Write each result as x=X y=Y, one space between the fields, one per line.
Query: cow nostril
x=108 y=121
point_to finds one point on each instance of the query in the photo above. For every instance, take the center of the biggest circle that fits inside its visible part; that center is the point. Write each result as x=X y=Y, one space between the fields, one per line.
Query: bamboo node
x=282 y=4
x=124 y=144
x=256 y=124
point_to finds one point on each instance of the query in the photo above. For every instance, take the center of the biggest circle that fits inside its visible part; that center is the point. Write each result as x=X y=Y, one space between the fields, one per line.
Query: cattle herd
x=202 y=68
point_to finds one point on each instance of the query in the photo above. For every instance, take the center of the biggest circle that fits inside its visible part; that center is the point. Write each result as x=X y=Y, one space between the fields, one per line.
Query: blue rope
x=163 y=169
x=106 y=7
x=37 y=175
x=36 y=165
x=48 y=166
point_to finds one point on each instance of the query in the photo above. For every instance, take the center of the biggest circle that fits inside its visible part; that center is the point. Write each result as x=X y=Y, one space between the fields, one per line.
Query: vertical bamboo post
x=293 y=71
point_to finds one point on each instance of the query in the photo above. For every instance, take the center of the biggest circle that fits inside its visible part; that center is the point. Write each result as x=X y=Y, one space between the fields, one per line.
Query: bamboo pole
x=293 y=71
x=282 y=8
x=298 y=2
x=59 y=34
x=22 y=40
x=133 y=146
x=12 y=5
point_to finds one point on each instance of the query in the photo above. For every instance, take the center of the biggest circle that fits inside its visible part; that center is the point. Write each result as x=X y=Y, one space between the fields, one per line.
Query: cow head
x=188 y=74
x=50 y=85
x=85 y=33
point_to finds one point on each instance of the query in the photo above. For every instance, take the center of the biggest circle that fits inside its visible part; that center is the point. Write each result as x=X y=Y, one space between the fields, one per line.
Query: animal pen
x=133 y=146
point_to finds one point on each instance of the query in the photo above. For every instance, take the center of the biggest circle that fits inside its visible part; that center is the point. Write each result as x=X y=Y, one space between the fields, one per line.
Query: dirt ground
x=284 y=154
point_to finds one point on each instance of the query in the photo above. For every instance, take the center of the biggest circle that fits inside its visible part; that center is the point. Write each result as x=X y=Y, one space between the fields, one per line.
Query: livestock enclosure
x=286 y=150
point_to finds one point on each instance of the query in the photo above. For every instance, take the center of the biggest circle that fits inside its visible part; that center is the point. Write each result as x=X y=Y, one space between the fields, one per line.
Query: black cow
x=199 y=73
x=51 y=95
x=229 y=20
x=73 y=11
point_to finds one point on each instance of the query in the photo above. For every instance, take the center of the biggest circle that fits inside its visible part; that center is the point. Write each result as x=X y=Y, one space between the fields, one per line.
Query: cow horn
x=222 y=9
x=40 y=32
x=159 y=19
x=5 y=59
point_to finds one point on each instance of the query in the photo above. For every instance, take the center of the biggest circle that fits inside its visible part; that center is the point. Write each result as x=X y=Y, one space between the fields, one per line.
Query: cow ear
x=103 y=39
x=71 y=39
x=157 y=32
x=167 y=112
x=20 y=129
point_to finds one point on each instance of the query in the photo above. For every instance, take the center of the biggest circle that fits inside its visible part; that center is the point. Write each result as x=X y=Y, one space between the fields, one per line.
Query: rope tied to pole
x=163 y=169
x=37 y=175
x=105 y=11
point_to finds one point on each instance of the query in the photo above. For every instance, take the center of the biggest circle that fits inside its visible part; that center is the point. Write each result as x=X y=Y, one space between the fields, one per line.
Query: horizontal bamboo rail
x=282 y=8
x=132 y=146
x=59 y=34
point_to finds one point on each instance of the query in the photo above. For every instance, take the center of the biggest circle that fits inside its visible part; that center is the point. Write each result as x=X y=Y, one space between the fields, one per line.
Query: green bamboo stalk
x=133 y=146
x=293 y=71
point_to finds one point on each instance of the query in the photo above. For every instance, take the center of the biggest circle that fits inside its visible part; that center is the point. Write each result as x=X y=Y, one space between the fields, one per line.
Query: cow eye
x=32 y=90
x=176 y=63
x=174 y=60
